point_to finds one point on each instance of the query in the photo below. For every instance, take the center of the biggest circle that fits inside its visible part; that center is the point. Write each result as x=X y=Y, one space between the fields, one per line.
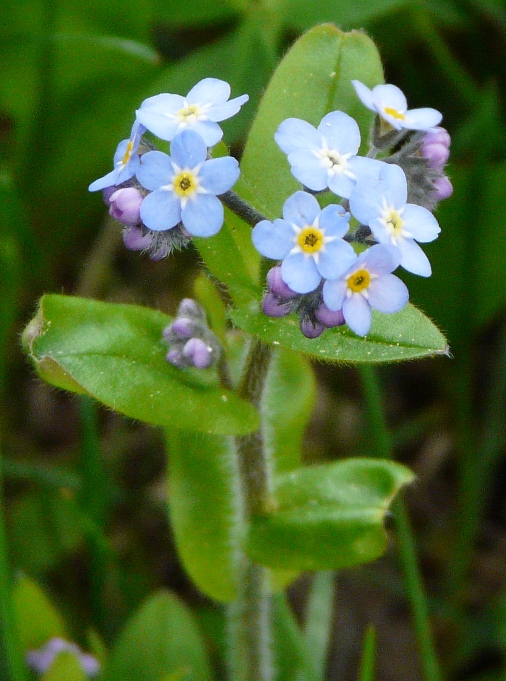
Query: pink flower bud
x=443 y=188
x=436 y=154
x=125 y=205
x=135 y=240
x=437 y=136
x=328 y=317
x=273 y=307
x=311 y=330
x=199 y=353
x=277 y=286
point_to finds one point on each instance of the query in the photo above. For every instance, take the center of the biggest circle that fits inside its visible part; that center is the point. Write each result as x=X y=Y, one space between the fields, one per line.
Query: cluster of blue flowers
x=152 y=192
x=321 y=276
x=385 y=204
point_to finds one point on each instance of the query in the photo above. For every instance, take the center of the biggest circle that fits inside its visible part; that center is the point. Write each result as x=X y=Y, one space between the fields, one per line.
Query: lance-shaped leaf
x=328 y=517
x=115 y=353
x=409 y=334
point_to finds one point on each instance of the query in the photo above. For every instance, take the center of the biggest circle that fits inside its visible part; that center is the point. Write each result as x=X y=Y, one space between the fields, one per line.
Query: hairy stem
x=249 y=615
x=241 y=208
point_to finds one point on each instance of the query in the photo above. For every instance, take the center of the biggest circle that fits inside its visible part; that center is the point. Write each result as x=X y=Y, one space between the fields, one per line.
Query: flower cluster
x=387 y=196
x=41 y=660
x=165 y=199
x=191 y=342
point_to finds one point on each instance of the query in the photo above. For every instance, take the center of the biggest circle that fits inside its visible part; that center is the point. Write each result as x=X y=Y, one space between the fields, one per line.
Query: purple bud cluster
x=191 y=342
x=314 y=315
x=436 y=149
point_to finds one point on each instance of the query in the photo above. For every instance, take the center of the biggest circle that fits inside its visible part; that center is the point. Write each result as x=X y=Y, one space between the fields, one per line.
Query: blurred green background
x=72 y=76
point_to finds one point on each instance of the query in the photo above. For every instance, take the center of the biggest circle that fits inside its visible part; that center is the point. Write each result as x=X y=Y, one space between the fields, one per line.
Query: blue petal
x=420 y=223
x=203 y=216
x=390 y=96
x=337 y=257
x=422 y=119
x=228 y=109
x=273 y=240
x=388 y=294
x=188 y=149
x=364 y=94
x=414 y=259
x=219 y=174
x=334 y=292
x=210 y=132
x=209 y=91
x=367 y=199
x=294 y=133
x=108 y=180
x=155 y=170
x=301 y=208
x=341 y=132
x=299 y=273
x=341 y=185
x=161 y=210
x=334 y=220
x=357 y=314
x=164 y=103
x=365 y=168
x=308 y=169
x=380 y=259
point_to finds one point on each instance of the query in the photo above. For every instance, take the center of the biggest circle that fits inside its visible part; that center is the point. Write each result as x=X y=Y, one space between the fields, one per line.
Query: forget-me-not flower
x=368 y=283
x=381 y=204
x=184 y=186
x=390 y=103
x=166 y=115
x=308 y=240
x=326 y=156
x=126 y=161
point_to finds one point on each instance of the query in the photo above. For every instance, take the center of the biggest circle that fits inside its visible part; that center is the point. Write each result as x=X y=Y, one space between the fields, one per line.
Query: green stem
x=382 y=447
x=368 y=661
x=10 y=654
x=249 y=617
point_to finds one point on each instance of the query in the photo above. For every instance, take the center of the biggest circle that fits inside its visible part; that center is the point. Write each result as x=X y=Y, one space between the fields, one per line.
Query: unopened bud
x=200 y=354
x=273 y=307
x=277 y=286
x=135 y=240
x=443 y=188
x=329 y=318
x=125 y=205
x=311 y=329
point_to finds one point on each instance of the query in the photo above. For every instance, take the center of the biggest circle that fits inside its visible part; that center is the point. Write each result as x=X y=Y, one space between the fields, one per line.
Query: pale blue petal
x=391 y=96
x=164 y=103
x=219 y=175
x=301 y=208
x=155 y=170
x=308 y=169
x=108 y=180
x=341 y=185
x=121 y=151
x=228 y=109
x=294 y=133
x=299 y=273
x=334 y=292
x=161 y=210
x=394 y=185
x=414 y=259
x=188 y=149
x=364 y=94
x=341 y=132
x=422 y=119
x=388 y=294
x=357 y=314
x=381 y=259
x=203 y=216
x=273 y=240
x=334 y=220
x=209 y=91
x=336 y=259
x=365 y=169
x=161 y=126
x=367 y=199
x=210 y=132
x=420 y=223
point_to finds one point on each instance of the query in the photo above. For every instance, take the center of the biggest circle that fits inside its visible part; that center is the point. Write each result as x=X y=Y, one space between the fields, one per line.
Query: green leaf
x=409 y=334
x=204 y=509
x=115 y=353
x=327 y=517
x=313 y=79
x=65 y=667
x=37 y=618
x=161 y=638
x=289 y=649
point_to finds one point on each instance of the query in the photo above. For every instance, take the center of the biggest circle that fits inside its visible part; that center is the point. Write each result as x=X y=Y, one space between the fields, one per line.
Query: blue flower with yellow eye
x=126 y=161
x=308 y=240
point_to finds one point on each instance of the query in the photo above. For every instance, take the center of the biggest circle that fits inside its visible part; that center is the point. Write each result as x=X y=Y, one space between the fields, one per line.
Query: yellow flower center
x=394 y=222
x=189 y=114
x=359 y=280
x=185 y=184
x=390 y=111
x=128 y=153
x=310 y=239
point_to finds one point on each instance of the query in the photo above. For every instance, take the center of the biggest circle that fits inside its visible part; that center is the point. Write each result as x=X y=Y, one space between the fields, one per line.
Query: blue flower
x=381 y=204
x=326 y=156
x=184 y=186
x=367 y=284
x=166 y=115
x=390 y=103
x=126 y=161
x=308 y=240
